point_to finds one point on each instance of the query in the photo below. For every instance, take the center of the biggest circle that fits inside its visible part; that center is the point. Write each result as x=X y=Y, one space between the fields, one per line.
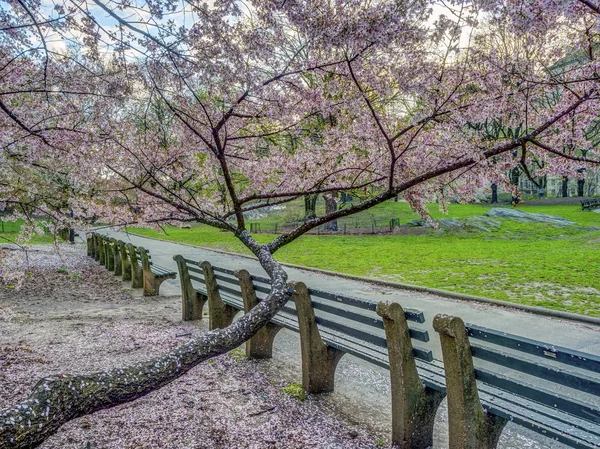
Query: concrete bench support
x=118 y=262
x=125 y=261
x=220 y=315
x=137 y=275
x=261 y=345
x=96 y=240
x=152 y=281
x=470 y=427
x=319 y=361
x=90 y=244
x=101 y=252
x=109 y=258
x=413 y=405
x=192 y=301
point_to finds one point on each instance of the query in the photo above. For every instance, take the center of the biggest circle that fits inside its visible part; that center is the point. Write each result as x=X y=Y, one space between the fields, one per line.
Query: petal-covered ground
x=70 y=315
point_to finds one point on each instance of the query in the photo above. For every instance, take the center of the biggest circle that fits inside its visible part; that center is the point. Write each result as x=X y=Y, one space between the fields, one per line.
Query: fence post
x=192 y=301
x=470 y=427
x=261 y=345
x=137 y=276
x=319 y=361
x=220 y=315
x=413 y=405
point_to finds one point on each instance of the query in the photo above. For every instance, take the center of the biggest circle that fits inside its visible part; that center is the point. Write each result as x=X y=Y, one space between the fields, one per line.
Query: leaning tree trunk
x=56 y=400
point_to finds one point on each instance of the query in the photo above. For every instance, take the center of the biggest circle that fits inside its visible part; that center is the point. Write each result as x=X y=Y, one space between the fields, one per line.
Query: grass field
x=9 y=233
x=384 y=212
x=541 y=265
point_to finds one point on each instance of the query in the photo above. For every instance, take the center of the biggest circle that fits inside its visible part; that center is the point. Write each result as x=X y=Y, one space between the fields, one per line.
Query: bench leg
x=220 y=315
x=90 y=245
x=137 y=276
x=109 y=256
x=125 y=263
x=413 y=405
x=96 y=239
x=192 y=302
x=319 y=361
x=101 y=253
x=261 y=345
x=152 y=283
x=470 y=426
x=118 y=264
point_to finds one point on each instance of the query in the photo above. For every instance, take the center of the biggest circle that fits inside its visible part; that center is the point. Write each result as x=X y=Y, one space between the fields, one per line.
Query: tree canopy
x=161 y=111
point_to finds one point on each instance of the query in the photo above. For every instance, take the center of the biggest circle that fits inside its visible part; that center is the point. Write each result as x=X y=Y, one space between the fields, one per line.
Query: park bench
x=590 y=204
x=553 y=391
x=145 y=273
x=132 y=263
x=330 y=325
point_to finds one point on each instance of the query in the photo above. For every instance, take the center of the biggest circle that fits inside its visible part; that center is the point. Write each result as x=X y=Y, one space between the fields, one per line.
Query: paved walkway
x=582 y=337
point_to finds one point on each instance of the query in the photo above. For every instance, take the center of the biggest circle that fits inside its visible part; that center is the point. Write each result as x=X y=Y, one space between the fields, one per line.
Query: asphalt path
x=362 y=390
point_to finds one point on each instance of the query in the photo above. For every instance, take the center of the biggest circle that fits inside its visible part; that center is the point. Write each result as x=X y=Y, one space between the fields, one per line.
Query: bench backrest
x=138 y=256
x=341 y=319
x=505 y=355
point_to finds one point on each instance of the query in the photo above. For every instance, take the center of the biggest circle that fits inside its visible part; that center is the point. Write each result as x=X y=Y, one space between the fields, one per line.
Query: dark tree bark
x=565 y=186
x=331 y=206
x=310 y=207
x=494 y=193
x=56 y=400
x=580 y=185
x=515 y=174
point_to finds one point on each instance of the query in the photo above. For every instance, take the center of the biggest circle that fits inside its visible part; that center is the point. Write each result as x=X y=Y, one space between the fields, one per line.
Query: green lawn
x=533 y=264
x=9 y=233
x=384 y=212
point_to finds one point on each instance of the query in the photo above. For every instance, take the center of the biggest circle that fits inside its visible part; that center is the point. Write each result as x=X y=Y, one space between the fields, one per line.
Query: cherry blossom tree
x=160 y=112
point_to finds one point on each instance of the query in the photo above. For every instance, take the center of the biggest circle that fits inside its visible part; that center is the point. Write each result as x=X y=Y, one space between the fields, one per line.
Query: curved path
x=581 y=336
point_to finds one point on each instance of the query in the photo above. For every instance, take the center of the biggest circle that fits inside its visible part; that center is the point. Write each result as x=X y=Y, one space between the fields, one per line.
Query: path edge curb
x=443 y=293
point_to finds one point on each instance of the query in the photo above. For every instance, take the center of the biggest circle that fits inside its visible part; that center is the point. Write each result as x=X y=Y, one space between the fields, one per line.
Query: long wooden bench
x=552 y=390
x=145 y=273
x=330 y=325
x=590 y=204
x=132 y=263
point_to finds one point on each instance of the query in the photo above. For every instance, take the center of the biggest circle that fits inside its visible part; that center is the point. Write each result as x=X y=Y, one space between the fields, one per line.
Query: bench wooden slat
x=366 y=350
x=538 y=394
x=533 y=347
x=550 y=373
x=197 y=279
x=223 y=270
x=526 y=414
x=195 y=269
x=232 y=291
x=230 y=280
x=374 y=321
x=411 y=315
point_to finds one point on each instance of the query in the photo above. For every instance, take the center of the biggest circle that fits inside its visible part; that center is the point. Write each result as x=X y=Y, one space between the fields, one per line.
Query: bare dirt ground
x=72 y=316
